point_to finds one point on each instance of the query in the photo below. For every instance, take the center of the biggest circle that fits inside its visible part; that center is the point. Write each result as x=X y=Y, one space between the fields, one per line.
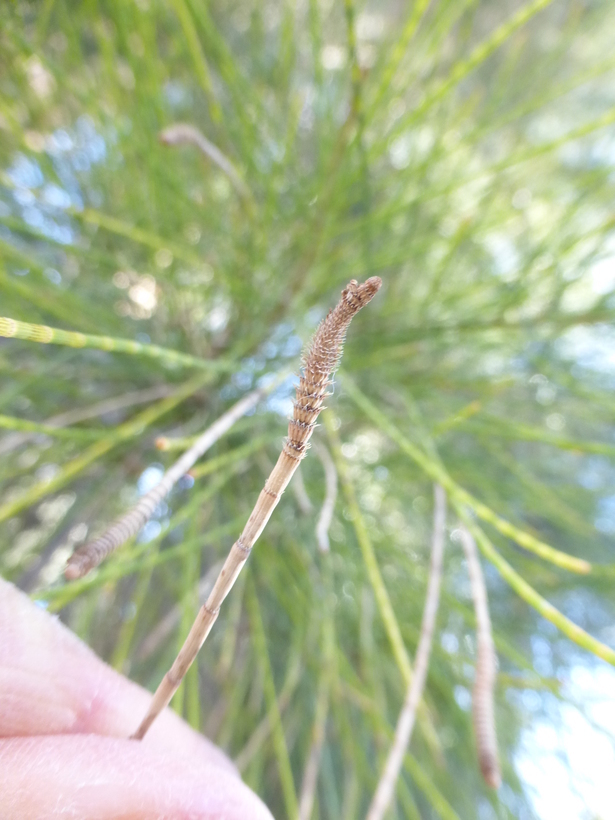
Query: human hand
x=65 y=717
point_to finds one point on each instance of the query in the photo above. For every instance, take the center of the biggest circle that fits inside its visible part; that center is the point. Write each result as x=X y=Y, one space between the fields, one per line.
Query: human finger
x=101 y=778
x=52 y=683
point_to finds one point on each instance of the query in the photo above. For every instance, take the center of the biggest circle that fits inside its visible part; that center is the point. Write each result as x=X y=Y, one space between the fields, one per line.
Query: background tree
x=463 y=152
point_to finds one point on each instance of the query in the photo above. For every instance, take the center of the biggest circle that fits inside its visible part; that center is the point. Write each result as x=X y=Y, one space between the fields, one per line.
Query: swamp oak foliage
x=150 y=279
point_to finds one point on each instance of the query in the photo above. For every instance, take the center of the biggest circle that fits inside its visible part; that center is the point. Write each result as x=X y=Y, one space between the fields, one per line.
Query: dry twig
x=310 y=776
x=486 y=669
x=184 y=134
x=326 y=511
x=318 y=365
x=325 y=684
x=301 y=496
x=263 y=730
x=90 y=555
x=154 y=640
x=101 y=408
x=403 y=732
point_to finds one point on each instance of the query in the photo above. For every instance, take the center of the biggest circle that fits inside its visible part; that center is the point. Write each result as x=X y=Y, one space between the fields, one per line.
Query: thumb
x=99 y=778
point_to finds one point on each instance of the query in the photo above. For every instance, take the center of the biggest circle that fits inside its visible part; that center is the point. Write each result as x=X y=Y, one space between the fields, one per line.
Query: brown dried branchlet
x=403 y=731
x=486 y=669
x=301 y=496
x=326 y=511
x=159 y=634
x=182 y=133
x=101 y=408
x=313 y=764
x=318 y=366
x=90 y=555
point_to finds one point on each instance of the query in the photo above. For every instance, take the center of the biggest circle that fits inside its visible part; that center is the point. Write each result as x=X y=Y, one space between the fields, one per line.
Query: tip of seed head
x=490 y=769
x=493 y=779
x=361 y=294
x=75 y=568
x=173 y=135
x=355 y=295
x=373 y=284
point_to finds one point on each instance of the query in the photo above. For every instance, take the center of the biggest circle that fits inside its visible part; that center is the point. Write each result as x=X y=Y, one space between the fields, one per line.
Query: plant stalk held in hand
x=318 y=366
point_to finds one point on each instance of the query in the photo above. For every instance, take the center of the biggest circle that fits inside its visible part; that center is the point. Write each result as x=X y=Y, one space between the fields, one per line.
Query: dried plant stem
x=24 y=428
x=529 y=594
x=280 y=745
x=374 y=712
x=134 y=427
x=318 y=366
x=486 y=669
x=459 y=498
x=264 y=728
x=213 y=465
x=301 y=496
x=161 y=391
x=323 y=697
x=90 y=555
x=153 y=641
x=381 y=595
x=184 y=134
x=437 y=472
x=112 y=405
x=326 y=511
x=403 y=732
x=310 y=775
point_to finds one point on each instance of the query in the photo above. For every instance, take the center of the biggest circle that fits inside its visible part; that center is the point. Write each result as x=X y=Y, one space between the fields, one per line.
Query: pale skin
x=64 y=718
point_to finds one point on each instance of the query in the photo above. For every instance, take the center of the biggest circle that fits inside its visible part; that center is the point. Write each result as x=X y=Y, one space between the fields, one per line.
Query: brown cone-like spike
x=321 y=361
x=318 y=365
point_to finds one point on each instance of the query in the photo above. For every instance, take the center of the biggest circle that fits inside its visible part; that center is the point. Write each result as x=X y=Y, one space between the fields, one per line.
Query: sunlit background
x=464 y=152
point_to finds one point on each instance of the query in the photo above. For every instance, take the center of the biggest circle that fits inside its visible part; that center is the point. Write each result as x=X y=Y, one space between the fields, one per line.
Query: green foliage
x=463 y=152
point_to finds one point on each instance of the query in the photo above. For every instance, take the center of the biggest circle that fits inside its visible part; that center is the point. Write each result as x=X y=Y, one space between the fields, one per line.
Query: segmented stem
x=439 y=474
x=159 y=634
x=182 y=133
x=486 y=669
x=134 y=427
x=319 y=728
x=301 y=496
x=9 y=443
x=328 y=505
x=318 y=365
x=403 y=731
x=90 y=555
x=13 y=329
